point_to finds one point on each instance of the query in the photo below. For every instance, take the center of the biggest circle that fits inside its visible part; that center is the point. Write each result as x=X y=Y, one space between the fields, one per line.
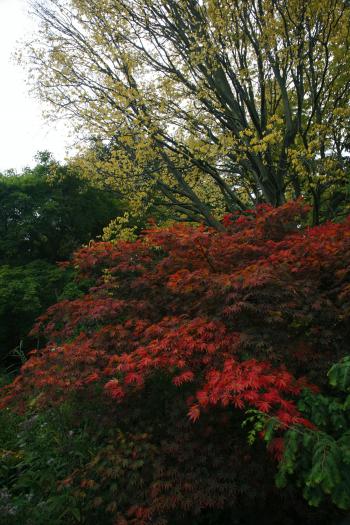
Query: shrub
x=183 y=331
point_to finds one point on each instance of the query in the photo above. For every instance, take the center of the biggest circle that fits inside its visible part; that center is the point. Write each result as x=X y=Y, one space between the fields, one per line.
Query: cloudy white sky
x=23 y=131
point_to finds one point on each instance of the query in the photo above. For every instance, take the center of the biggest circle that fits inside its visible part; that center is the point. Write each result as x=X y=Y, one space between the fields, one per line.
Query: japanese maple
x=223 y=322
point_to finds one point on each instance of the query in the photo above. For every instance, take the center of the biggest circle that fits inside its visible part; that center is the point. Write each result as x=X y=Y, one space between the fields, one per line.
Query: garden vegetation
x=190 y=359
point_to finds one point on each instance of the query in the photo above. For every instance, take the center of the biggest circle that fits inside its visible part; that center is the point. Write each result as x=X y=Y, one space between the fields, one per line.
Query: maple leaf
x=91 y=378
x=194 y=413
x=114 y=389
x=185 y=377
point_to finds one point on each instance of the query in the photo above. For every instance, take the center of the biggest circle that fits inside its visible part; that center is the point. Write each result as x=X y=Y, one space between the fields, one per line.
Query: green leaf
x=339 y=374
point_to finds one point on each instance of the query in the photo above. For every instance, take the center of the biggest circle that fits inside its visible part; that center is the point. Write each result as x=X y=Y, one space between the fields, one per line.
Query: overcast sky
x=23 y=131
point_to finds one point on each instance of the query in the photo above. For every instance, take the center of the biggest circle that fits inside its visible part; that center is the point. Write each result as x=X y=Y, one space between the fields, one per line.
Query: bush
x=37 y=451
x=182 y=333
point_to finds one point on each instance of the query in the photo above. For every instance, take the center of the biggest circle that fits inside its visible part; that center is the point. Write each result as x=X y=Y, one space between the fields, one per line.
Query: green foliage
x=318 y=460
x=24 y=292
x=339 y=375
x=45 y=213
x=37 y=451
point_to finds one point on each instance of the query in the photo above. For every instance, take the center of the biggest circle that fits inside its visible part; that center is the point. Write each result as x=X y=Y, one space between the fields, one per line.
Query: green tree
x=45 y=213
x=25 y=291
x=249 y=99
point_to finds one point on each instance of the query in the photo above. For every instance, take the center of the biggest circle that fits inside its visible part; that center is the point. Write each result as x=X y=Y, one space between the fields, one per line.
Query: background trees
x=248 y=99
x=48 y=212
x=45 y=214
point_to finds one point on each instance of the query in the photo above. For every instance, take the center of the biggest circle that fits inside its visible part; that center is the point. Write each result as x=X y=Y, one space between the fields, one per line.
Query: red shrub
x=239 y=319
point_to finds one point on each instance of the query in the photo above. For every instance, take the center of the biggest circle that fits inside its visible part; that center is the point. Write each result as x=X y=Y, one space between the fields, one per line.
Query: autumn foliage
x=178 y=335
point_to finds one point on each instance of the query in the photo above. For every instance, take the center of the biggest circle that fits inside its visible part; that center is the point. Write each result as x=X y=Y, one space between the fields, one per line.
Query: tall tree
x=250 y=96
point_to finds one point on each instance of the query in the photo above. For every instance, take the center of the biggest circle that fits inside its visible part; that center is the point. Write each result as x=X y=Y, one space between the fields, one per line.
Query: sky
x=23 y=130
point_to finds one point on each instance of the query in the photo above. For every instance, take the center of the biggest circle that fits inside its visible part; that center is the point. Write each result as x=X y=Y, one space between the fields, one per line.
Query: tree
x=45 y=213
x=249 y=97
x=180 y=333
x=25 y=292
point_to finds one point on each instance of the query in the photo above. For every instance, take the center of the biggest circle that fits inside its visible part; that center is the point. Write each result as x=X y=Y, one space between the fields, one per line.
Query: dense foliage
x=197 y=373
x=320 y=460
x=25 y=291
x=182 y=332
x=45 y=213
x=48 y=212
